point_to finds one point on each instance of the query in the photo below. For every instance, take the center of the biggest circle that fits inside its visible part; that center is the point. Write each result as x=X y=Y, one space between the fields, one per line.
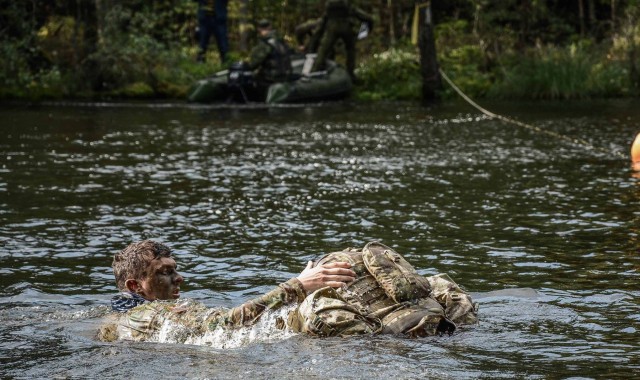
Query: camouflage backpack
x=394 y=274
x=388 y=296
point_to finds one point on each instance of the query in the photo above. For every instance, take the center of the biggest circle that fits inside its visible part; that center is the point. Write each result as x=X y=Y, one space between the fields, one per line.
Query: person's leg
x=314 y=40
x=326 y=44
x=222 y=38
x=349 y=39
x=205 y=34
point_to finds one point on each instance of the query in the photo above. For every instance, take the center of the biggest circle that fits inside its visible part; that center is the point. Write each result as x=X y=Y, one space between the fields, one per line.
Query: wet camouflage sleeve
x=188 y=318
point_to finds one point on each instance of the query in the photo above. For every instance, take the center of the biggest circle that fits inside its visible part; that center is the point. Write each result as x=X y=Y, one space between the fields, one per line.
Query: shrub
x=464 y=66
x=390 y=75
x=560 y=73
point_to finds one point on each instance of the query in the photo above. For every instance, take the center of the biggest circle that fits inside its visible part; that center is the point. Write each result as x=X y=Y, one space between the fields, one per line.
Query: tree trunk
x=593 y=19
x=525 y=12
x=384 y=20
x=581 y=16
x=613 y=15
x=392 y=33
x=431 y=81
x=476 y=19
x=102 y=7
x=87 y=15
x=243 y=45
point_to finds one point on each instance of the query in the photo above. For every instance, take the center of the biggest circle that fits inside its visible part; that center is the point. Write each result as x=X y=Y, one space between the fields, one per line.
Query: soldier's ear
x=133 y=286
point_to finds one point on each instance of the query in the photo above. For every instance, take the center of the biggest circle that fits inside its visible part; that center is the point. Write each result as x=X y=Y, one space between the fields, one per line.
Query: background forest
x=109 y=49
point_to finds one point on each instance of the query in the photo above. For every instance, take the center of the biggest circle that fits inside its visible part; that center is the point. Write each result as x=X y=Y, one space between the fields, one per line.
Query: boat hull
x=332 y=84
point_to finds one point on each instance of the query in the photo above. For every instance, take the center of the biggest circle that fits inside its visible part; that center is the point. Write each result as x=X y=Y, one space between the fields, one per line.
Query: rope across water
x=572 y=140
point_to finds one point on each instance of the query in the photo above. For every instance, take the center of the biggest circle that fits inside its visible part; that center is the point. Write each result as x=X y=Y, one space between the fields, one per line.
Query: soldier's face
x=162 y=281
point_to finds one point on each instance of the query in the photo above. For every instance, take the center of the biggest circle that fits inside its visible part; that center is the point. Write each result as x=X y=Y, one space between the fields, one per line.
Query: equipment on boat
x=238 y=84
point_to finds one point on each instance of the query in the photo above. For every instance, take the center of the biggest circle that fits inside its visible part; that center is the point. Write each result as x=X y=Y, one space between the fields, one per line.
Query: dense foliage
x=512 y=48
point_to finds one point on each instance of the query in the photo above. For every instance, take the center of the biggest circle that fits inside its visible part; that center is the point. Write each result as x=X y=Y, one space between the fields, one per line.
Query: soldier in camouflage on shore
x=387 y=296
x=337 y=26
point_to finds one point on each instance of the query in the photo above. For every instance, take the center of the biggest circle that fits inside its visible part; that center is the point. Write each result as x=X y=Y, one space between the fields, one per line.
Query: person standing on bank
x=337 y=26
x=212 y=21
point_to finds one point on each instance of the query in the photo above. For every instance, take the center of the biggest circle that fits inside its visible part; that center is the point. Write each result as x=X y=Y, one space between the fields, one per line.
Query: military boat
x=236 y=85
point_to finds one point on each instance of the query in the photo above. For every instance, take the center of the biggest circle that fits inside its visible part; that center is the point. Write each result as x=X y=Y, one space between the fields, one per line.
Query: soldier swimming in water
x=146 y=274
x=373 y=290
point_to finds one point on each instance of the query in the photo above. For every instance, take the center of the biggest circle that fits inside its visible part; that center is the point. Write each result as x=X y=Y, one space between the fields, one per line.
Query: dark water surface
x=543 y=233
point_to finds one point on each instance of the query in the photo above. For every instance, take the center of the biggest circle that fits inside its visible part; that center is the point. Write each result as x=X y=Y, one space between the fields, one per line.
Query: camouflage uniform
x=145 y=322
x=387 y=297
x=337 y=25
x=312 y=29
x=271 y=58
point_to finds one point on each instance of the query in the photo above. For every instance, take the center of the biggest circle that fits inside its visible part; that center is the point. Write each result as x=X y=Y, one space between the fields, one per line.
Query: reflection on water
x=543 y=233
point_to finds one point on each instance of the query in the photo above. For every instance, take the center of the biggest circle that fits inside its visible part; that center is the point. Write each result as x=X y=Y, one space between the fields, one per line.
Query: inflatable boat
x=236 y=85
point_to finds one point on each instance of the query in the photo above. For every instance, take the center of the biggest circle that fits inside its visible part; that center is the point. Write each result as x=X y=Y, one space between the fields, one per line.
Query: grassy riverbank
x=129 y=56
x=580 y=70
x=550 y=72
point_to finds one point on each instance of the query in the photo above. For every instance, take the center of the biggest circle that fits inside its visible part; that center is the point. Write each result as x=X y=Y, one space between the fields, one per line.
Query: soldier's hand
x=335 y=275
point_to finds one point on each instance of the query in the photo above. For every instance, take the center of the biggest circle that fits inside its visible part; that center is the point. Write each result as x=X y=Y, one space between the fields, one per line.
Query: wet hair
x=133 y=261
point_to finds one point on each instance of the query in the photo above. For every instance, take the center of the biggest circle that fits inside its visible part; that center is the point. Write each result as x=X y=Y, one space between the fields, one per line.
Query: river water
x=542 y=232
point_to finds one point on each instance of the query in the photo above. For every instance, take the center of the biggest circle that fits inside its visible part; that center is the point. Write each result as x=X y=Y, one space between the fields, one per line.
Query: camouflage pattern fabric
x=395 y=275
x=422 y=307
x=361 y=307
x=312 y=29
x=271 y=59
x=191 y=319
x=337 y=26
x=325 y=313
x=459 y=306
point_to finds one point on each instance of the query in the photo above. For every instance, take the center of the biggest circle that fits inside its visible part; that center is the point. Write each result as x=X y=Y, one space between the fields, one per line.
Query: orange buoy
x=635 y=153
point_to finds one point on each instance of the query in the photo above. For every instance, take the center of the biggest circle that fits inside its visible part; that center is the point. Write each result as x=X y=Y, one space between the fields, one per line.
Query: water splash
x=265 y=331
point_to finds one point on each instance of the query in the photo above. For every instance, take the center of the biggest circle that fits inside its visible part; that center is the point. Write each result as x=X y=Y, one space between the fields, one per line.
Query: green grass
x=572 y=72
